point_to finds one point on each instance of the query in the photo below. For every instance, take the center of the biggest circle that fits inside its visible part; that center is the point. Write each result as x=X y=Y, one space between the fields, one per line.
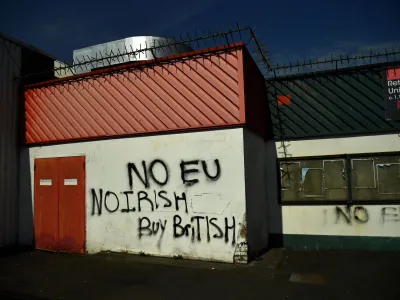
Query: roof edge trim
x=138 y=63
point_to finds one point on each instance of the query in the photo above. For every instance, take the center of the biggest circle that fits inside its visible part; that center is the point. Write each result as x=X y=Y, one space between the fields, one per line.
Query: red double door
x=59 y=204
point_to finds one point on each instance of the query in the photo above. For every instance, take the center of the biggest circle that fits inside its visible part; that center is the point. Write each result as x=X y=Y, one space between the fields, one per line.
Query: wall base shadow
x=15 y=250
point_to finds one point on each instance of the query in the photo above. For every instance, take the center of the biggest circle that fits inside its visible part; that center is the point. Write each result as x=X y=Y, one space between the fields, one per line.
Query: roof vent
x=113 y=53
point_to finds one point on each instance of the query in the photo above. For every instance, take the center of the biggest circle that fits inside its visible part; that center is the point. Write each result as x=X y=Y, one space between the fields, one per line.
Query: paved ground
x=35 y=275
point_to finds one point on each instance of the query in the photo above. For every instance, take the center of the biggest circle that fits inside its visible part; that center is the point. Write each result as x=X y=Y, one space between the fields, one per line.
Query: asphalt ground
x=279 y=274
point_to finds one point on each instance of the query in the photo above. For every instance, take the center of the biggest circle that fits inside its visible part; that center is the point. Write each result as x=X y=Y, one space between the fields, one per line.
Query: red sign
x=391 y=91
x=393 y=74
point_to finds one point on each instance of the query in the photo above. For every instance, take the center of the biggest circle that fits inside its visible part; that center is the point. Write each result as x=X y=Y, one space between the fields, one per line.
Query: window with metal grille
x=351 y=178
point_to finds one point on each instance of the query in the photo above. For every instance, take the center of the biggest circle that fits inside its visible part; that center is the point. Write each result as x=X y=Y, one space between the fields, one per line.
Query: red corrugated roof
x=195 y=90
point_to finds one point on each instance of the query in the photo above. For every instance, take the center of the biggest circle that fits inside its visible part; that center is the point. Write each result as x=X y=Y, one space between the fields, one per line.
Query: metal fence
x=336 y=63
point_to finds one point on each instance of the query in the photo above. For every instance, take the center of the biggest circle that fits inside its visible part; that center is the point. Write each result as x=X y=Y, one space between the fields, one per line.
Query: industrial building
x=108 y=170
x=195 y=154
x=338 y=150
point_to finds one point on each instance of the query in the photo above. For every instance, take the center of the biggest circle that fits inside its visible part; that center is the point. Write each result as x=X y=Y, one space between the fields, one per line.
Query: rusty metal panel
x=10 y=63
x=46 y=183
x=197 y=91
x=72 y=204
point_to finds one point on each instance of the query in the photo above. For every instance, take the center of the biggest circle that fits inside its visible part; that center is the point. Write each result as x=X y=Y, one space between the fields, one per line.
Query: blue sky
x=291 y=29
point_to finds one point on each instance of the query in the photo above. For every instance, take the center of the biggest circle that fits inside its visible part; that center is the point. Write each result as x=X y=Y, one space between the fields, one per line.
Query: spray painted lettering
x=186 y=169
x=357 y=214
x=148 y=193
x=143 y=201
x=212 y=224
x=148 y=228
x=361 y=215
x=390 y=214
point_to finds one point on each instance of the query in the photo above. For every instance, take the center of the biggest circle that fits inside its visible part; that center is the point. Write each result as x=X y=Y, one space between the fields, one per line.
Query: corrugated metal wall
x=193 y=92
x=10 y=62
x=329 y=104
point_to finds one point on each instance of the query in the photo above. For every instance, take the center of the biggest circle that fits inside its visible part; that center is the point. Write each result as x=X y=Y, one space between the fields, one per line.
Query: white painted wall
x=383 y=220
x=106 y=168
x=349 y=145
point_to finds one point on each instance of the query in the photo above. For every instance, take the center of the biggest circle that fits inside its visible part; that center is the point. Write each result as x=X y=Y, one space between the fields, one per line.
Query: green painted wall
x=338 y=102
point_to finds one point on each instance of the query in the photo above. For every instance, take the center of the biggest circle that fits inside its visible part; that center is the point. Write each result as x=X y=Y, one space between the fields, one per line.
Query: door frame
x=35 y=204
x=32 y=170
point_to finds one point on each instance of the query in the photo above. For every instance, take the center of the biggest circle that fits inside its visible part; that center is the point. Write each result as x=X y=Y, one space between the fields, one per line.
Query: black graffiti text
x=149 y=228
x=390 y=214
x=361 y=215
x=147 y=172
x=130 y=201
x=213 y=228
x=190 y=168
x=358 y=214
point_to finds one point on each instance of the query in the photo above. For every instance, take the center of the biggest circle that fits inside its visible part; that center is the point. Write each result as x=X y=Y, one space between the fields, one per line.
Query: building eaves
x=22 y=44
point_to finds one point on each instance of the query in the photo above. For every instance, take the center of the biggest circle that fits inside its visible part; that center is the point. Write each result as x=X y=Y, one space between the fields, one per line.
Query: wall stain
x=240 y=255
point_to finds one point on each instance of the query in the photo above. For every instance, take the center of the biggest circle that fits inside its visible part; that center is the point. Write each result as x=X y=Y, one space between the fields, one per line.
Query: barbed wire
x=205 y=41
x=342 y=61
x=208 y=39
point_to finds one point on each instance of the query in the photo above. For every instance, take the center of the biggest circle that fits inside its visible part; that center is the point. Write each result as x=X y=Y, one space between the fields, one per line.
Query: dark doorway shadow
x=26 y=208
x=14 y=250
x=15 y=296
x=273 y=195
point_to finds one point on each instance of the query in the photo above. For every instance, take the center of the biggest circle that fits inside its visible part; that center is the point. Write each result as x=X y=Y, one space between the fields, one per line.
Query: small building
x=163 y=157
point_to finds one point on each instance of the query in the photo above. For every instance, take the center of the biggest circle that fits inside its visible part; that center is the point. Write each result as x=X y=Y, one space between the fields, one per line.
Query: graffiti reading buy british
x=148 y=192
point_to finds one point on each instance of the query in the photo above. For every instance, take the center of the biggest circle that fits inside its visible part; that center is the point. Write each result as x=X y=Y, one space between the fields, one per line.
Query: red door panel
x=72 y=204
x=46 y=204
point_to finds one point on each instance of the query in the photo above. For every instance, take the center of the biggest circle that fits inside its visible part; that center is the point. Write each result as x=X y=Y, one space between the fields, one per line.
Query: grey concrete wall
x=256 y=194
x=272 y=189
